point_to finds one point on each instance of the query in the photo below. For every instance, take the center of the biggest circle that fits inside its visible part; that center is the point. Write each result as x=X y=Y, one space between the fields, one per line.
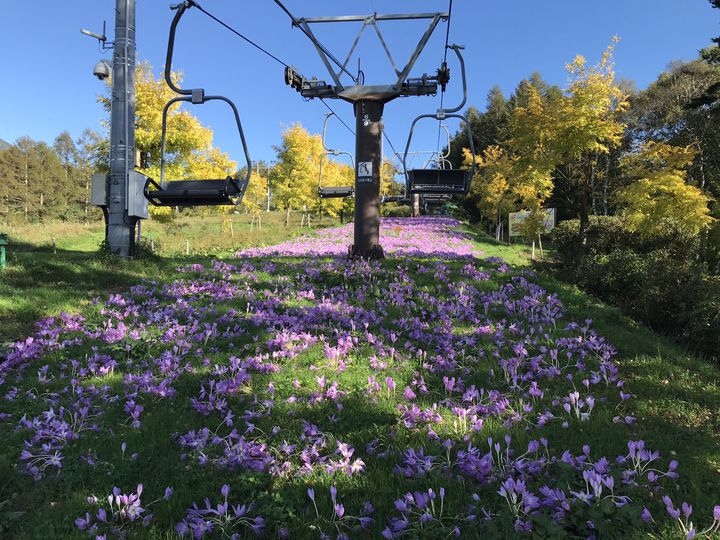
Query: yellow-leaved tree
x=565 y=134
x=295 y=176
x=491 y=186
x=660 y=194
x=586 y=125
x=334 y=174
x=533 y=133
x=255 y=200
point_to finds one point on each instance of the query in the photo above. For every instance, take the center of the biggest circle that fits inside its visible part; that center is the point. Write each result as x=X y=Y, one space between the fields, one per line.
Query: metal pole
x=3 y=262
x=368 y=160
x=121 y=227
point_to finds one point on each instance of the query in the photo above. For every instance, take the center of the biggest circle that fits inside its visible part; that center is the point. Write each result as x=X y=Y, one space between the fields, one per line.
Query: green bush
x=658 y=280
x=396 y=211
x=702 y=322
x=606 y=234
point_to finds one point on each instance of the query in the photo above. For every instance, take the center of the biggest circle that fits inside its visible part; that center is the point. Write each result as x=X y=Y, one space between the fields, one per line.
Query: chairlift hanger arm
x=180 y=11
x=332 y=151
x=189 y=99
x=457 y=49
x=444 y=156
x=435 y=117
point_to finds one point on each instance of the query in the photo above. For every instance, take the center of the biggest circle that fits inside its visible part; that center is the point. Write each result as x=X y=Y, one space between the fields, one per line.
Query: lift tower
x=368 y=104
x=120 y=225
x=119 y=194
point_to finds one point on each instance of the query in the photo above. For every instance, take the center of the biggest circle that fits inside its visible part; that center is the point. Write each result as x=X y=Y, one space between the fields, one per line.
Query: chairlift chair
x=333 y=192
x=442 y=180
x=211 y=192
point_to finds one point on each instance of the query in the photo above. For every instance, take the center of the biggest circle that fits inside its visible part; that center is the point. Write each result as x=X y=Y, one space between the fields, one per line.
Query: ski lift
x=442 y=180
x=333 y=192
x=227 y=191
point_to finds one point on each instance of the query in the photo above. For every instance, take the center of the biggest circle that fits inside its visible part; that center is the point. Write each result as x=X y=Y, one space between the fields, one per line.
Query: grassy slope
x=207 y=234
x=677 y=394
x=42 y=281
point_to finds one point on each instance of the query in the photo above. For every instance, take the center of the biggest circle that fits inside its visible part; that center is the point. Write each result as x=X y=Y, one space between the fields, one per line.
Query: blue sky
x=47 y=85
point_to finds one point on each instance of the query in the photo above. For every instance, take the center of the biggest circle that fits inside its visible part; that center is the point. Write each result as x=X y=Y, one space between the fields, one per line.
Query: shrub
x=606 y=234
x=658 y=280
x=702 y=322
x=397 y=211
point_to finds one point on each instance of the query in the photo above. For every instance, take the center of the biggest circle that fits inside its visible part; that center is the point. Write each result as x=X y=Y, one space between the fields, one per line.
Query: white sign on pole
x=365 y=171
x=517 y=218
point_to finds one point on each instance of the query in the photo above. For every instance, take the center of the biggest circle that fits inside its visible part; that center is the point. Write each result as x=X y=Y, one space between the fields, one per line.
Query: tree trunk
x=584 y=218
x=287 y=216
x=591 y=181
x=605 y=185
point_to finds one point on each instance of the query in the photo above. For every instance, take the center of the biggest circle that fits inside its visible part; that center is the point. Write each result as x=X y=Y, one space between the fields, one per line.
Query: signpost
x=3 y=243
x=518 y=218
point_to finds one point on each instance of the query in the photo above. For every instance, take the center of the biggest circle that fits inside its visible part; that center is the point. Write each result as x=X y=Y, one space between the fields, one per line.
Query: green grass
x=677 y=402
x=677 y=394
x=208 y=233
x=43 y=280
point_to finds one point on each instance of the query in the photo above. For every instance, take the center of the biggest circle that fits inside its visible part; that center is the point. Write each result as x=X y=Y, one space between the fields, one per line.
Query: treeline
x=635 y=178
x=591 y=151
x=40 y=181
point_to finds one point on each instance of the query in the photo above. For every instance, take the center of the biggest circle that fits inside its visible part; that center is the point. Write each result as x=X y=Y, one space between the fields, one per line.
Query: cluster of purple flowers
x=277 y=352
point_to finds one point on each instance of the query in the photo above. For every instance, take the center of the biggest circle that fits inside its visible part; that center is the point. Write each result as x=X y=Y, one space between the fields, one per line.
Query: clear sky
x=47 y=84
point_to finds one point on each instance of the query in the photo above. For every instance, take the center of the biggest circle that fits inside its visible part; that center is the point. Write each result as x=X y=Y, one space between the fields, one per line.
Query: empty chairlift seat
x=334 y=192
x=195 y=192
x=439 y=181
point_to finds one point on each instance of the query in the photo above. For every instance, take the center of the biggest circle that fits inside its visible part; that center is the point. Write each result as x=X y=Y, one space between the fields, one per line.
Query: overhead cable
x=315 y=41
x=338 y=116
x=263 y=50
x=251 y=42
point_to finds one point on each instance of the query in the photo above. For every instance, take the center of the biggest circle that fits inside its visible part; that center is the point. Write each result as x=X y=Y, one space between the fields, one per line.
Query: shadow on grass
x=42 y=281
x=676 y=394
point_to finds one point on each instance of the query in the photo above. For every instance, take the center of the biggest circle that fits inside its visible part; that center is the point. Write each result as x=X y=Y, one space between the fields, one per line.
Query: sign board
x=364 y=171
x=137 y=204
x=517 y=218
x=98 y=193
